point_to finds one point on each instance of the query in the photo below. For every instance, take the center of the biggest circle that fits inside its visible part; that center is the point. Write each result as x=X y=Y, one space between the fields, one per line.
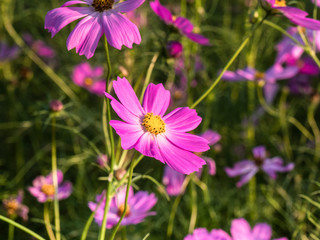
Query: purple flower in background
x=174 y=49
x=43 y=188
x=300 y=85
x=149 y=131
x=268 y=78
x=248 y=168
x=295 y=15
x=89 y=78
x=182 y=24
x=14 y=207
x=317 y=2
x=102 y=160
x=42 y=49
x=173 y=181
x=99 y=17
x=8 y=53
x=241 y=230
x=138 y=207
x=203 y=234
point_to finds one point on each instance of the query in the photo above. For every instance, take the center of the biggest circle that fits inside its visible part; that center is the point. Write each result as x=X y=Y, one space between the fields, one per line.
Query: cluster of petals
x=89 y=78
x=40 y=47
x=138 y=207
x=182 y=24
x=44 y=191
x=8 y=53
x=248 y=168
x=95 y=23
x=14 y=206
x=172 y=145
x=295 y=15
x=269 y=78
x=240 y=230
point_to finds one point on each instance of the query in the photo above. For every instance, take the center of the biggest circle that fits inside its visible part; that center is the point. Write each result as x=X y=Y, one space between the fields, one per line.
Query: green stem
x=11 y=232
x=284 y=125
x=114 y=232
x=46 y=218
x=104 y=127
x=55 y=179
x=194 y=206
x=175 y=207
x=252 y=198
x=149 y=72
x=109 y=190
x=17 y=225
x=314 y=126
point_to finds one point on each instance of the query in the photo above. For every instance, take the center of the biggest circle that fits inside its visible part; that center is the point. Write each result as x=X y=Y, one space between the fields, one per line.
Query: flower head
x=137 y=210
x=43 y=188
x=91 y=79
x=248 y=168
x=295 y=15
x=99 y=17
x=154 y=134
x=173 y=181
x=40 y=47
x=203 y=234
x=174 y=49
x=8 y=53
x=182 y=24
x=14 y=206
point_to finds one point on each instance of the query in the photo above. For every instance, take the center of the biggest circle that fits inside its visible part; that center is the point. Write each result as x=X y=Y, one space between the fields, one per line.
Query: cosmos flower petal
x=278 y=72
x=259 y=152
x=65 y=190
x=211 y=165
x=69 y=3
x=127 y=96
x=119 y=30
x=262 y=231
x=98 y=88
x=86 y=35
x=143 y=201
x=58 y=18
x=156 y=99
x=187 y=141
x=148 y=146
x=129 y=133
x=120 y=196
x=173 y=181
x=232 y=76
x=304 y=22
x=183 y=24
x=240 y=229
x=246 y=177
x=80 y=72
x=49 y=178
x=274 y=165
x=219 y=234
x=180 y=160
x=198 y=38
x=212 y=137
x=128 y=5
x=270 y=90
x=240 y=168
x=182 y=119
x=161 y=11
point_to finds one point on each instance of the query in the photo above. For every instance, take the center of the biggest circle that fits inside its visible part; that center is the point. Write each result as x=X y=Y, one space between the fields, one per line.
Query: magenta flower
x=14 y=207
x=173 y=181
x=248 y=168
x=203 y=234
x=182 y=24
x=300 y=85
x=8 y=53
x=138 y=207
x=100 y=17
x=151 y=133
x=295 y=15
x=174 y=49
x=241 y=230
x=91 y=79
x=42 y=49
x=43 y=188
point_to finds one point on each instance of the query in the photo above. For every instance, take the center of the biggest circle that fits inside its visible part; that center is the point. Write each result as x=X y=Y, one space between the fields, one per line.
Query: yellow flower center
x=12 y=206
x=280 y=3
x=88 y=82
x=259 y=76
x=154 y=124
x=101 y=5
x=48 y=189
x=121 y=210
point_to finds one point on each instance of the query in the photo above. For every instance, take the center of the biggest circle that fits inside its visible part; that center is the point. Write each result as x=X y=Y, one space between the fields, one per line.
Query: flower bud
x=56 y=105
x=120 y=173
x=174 y=49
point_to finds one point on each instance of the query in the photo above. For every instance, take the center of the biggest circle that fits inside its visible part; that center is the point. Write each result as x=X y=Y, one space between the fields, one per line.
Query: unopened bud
x=56 y=105
x=120 y=173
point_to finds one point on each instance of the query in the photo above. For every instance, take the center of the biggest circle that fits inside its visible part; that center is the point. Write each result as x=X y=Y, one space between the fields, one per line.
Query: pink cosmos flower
x=100 y=17
x=40 y=47
x=138 y=207
x=269 y=78
x=295 y=15
x=173 y=181
x=43 y=188
x=14 y=207
x=182 y=24
x=248 y=168
x=241 y=230
x=89 y=78
x=317 y=2
x=7 y=52
x=174 y=49
x=154 y=134
x=203 y=234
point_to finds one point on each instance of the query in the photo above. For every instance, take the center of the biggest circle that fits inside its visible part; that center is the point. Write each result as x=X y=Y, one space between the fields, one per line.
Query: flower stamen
x=101 y=5
x=121 y=210
x=48 y=189
x=280 y=3
x=154 y=124
x=88 y=82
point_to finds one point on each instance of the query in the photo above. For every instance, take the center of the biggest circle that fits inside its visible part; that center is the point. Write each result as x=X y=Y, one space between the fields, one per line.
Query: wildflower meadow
x=160 y=120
